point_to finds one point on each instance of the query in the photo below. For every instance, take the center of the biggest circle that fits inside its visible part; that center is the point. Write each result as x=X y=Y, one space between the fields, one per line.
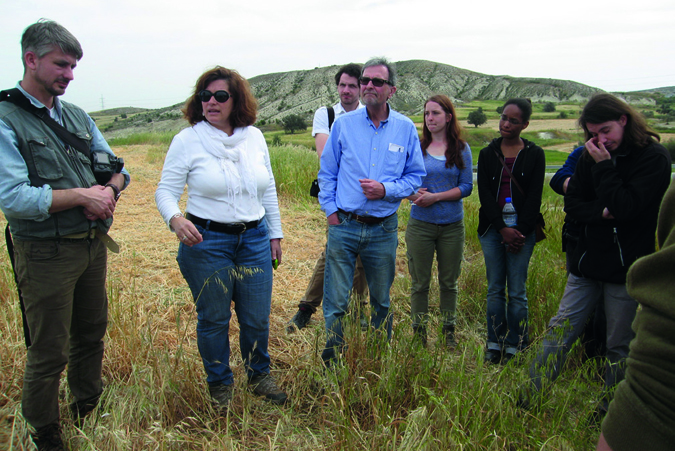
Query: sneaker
x=264 y=385
x=449 y=335
x=300 y=319
x=492 y=356
x=48 y=438
x=221 y=394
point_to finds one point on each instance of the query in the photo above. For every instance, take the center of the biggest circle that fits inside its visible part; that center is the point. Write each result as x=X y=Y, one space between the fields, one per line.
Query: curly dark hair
x=453 y=133
x=245 y=105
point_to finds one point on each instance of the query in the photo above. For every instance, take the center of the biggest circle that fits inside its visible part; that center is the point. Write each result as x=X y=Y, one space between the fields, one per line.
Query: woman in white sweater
x=230 y=235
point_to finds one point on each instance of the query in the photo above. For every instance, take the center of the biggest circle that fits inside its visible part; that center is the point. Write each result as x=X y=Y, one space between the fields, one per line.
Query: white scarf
x=232 y=155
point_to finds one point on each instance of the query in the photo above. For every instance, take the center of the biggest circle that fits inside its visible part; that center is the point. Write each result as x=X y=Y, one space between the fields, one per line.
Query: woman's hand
x=513 y=239
x=185 y=230
x=275 y=246
x=425 y=198
x=597 y=150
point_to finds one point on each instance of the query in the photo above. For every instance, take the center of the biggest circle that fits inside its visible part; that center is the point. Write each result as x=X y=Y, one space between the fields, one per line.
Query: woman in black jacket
x=507 y=250
x=613 y=198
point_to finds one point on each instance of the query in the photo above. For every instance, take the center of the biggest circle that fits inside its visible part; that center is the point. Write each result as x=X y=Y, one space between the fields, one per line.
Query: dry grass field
x=397 y=397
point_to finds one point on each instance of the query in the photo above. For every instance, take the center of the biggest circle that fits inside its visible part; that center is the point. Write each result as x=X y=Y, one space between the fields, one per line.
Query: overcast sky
x=149 y=53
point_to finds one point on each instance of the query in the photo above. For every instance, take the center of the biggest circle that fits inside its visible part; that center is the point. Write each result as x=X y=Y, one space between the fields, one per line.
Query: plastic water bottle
x=509 y=214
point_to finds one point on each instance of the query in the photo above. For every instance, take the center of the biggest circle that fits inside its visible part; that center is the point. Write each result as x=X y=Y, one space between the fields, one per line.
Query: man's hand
x=372 y=189
x=333 y=219
x=597 y=150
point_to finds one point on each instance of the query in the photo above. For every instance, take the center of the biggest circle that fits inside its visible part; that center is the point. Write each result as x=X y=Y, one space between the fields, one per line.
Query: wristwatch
x=115 y=189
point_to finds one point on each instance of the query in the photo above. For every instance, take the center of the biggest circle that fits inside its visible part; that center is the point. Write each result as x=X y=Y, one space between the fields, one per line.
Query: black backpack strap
x=331 y=117
x=10 y=250
x=16 y=97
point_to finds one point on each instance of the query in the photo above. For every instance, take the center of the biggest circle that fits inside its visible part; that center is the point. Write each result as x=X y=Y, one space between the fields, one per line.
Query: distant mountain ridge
x=303 y=91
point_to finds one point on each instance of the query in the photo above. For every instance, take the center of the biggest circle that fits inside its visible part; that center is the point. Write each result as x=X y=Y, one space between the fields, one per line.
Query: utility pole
x=102 y=103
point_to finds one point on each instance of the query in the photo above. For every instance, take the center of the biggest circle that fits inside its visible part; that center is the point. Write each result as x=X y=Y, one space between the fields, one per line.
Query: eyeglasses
x=511 y=121
x=377 y=82
x=221 y=96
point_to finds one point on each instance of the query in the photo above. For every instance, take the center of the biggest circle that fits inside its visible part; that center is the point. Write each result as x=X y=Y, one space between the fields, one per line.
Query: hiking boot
x=221 y=394
x=48 y=438
x=507 y=358
x=449 y=335
x=80 y=409
x=420 y=334
x=493 y=356
x=300 y=319
x=264 y=385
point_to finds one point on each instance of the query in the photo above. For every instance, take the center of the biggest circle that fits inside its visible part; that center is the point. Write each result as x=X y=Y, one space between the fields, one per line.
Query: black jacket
x=528 y=169
x=631 y=188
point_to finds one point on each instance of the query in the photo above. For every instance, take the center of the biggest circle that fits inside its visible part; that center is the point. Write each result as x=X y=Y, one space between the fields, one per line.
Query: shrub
x=549 y=107
x=562 y=115
x=477 y=117
x=276 y=141
x=293 y=123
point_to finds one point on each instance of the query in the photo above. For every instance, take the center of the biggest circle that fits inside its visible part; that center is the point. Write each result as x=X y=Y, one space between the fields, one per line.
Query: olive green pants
x=446 y=241
x=63 y=287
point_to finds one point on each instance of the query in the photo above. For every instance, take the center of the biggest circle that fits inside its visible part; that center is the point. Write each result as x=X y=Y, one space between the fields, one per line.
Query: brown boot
x=449 y=335
x=420 y=333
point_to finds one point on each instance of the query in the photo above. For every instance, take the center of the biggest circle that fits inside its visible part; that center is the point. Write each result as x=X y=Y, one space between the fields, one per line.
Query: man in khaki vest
x=59 y=217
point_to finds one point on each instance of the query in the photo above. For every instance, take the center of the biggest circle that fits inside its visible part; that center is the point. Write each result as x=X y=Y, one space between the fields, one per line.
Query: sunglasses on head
x=221 y=96
x=377 y=82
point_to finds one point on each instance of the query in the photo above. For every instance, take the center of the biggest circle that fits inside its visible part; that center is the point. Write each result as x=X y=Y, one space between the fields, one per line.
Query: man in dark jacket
x=613 y=197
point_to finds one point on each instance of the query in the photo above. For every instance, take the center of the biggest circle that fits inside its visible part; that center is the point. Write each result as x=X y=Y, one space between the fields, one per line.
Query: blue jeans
x=506 y=323
x=220 y=270
x=579 y=300
x=376 y=244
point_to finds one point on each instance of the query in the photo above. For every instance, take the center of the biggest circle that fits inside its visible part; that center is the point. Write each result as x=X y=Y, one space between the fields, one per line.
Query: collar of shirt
x=55 y=112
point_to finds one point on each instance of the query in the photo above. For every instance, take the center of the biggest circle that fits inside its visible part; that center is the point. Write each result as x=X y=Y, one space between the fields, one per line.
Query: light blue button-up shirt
x=18 y=199
x=389 y=154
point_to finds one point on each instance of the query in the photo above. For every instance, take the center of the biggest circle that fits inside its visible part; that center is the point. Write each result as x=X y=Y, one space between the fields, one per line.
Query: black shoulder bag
x=314 y=187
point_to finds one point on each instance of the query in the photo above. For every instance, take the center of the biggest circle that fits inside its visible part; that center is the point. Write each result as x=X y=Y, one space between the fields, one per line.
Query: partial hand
x=606 y=214
x=275 y=246
x=99 y=202
x=372 y=189
x=186 y=232
x=333 y=219
x=513 y=238
x=597 y=150
x=425 y=198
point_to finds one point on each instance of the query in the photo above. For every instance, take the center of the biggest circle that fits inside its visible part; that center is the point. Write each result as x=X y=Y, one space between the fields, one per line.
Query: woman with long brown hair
x=436 y=222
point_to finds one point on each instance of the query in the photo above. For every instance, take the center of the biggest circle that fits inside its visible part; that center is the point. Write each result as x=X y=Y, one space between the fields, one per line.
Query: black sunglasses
x=377 y=82
x=221 y=96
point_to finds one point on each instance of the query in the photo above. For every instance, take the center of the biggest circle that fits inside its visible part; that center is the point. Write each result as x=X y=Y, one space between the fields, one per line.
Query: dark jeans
x=63 y=287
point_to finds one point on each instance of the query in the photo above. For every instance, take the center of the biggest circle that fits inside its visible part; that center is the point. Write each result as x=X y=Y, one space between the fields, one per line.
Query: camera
x=105 y=165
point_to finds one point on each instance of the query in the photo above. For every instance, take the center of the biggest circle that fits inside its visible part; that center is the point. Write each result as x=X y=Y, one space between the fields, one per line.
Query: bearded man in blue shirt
x=372 y=160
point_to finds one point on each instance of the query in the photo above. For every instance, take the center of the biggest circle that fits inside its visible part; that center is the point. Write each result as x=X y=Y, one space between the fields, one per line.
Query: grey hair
x=41 y=37
x=382 y=61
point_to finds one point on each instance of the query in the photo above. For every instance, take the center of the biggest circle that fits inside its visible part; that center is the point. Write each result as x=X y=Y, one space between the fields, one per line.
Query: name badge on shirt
x=395 y=148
